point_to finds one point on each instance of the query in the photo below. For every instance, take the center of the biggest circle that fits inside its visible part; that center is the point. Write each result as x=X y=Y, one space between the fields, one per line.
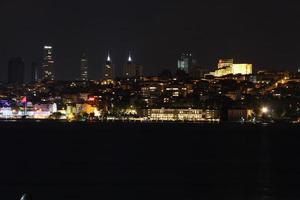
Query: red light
x=24 y=100
x=91 y=99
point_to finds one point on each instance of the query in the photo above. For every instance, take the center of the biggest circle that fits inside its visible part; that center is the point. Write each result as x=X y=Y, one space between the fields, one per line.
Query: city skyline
x=155 y=99
x=156 y=33
x=185 y=62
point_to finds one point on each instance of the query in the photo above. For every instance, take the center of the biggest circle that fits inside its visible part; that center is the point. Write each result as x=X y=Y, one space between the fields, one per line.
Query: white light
x=129 y=57
x=47 y=47
x=108 y=57
x=264 y=110
x=23 y=197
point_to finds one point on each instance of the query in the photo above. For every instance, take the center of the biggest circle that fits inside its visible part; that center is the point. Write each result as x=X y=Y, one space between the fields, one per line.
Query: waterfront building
x=182 y=115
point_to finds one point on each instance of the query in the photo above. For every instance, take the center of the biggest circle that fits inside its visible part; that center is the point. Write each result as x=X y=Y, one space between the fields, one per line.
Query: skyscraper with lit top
x=132 y=70
x=48 y=64
x=108 y=69
x=83 y=68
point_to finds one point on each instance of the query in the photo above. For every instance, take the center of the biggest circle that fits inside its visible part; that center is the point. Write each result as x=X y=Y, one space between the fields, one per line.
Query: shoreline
x=219 y=122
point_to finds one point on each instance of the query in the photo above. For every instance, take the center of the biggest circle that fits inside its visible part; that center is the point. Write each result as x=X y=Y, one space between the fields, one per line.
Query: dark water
x=149 y=161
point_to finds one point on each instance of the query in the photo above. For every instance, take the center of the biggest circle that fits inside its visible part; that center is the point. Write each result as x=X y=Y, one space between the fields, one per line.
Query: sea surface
x=85 y=161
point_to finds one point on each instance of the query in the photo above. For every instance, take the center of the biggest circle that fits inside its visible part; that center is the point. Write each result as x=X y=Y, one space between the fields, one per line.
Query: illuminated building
x=237 y=115
x=6 y=113
x=83 y=68
x=16 y=69
x=132 y=70
x=48 y=64
x=185 y=62
x=107 y=82
x=37 y=111
x=227 y=67
x=224 y=63
x=243 y=69
x=182 y=115
x=108 y=70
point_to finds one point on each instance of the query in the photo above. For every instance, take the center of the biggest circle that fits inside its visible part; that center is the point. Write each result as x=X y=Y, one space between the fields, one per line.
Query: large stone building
x=228 y=67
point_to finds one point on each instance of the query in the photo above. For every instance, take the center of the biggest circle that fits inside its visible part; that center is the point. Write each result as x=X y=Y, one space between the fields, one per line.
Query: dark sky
x=264 y=33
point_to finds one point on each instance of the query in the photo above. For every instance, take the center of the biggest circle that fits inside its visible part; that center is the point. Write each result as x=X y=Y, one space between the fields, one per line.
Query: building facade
x=48 y=64
x=225 y=63
x=132 y=70
x=108 y=69
x=182 y=115
x=185 y=62
x=228 y=67
x=83 y=68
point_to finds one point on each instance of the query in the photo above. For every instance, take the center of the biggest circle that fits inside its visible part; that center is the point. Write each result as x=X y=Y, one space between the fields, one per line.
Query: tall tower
x=185 y=62
x=48 y=64
x=108 y=70
x=129 y=68
x=16 y=68
x=83 y=68
x=132 y=70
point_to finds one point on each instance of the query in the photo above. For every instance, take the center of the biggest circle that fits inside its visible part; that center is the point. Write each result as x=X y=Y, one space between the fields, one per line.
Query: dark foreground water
x=64 y=161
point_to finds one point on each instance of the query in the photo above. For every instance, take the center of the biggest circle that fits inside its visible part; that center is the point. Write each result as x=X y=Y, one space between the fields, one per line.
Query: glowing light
x=129 y=57
x=23 y=197
x=24 y=100
x=264 y=110
x=108 y=57
x=227 y=67
x=70 y=117
x=91 y=99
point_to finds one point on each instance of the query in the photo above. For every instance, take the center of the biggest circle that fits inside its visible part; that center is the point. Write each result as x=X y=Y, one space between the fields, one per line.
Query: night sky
x=266 y=34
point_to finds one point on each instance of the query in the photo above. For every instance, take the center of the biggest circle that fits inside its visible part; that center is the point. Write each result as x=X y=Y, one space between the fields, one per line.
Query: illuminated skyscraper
x=16 y=68
x=83 y=68
x=185 y=62
x=108 y=69
x=132 y=70
x=48 y=64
